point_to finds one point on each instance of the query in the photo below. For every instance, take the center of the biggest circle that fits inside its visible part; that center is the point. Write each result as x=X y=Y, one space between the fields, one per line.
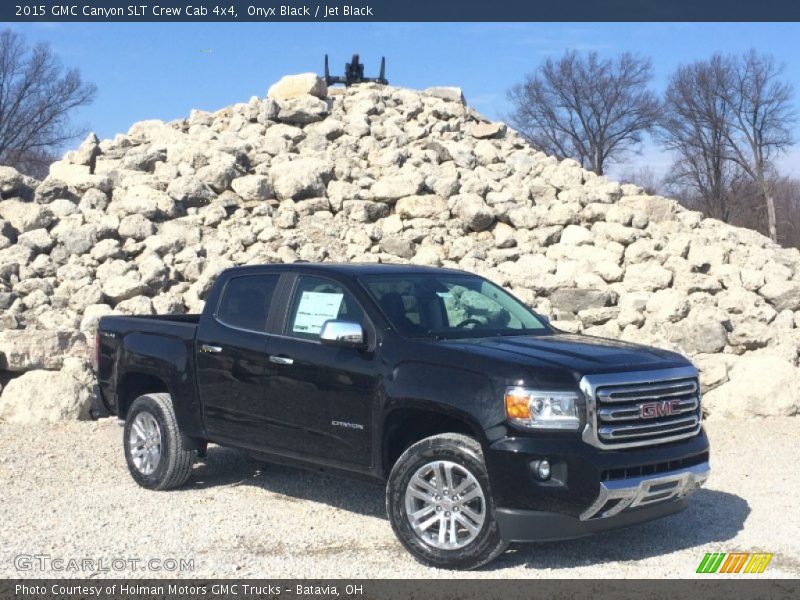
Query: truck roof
x=349 y=269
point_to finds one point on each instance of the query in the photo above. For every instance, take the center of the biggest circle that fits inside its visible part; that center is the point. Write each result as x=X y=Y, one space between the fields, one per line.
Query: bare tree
x=37 y=96
x=696 y=126
x=787 y=207
x=760 y=124
x=727 y=119
x=583 y=107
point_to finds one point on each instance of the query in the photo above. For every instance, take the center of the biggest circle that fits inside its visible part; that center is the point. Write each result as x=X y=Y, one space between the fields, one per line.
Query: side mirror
x=344 y=334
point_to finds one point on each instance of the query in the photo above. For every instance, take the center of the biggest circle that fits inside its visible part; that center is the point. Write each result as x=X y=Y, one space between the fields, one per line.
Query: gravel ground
x=65 y=492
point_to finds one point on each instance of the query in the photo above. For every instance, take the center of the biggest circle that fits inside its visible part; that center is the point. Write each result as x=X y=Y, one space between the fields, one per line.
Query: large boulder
x=300 y=178
x=142 y=200
x=123 y=287
x=473 y=212
x=48 y=396
x=760 y=384
x=394 y=186
x=78 y=177
x=575 y=300
x=451 y=94
x=219 y=173
x=253 y=187
x=190 y=191
x=25 y=216
x=782 y=295
x=295 y=86
x=303 y=110
x=702 y=332
x=23 y=350
x=668 y=305
x=11 y=181
x=487 y=130
x=137 y=227
x=416 y=207
x=647 y=277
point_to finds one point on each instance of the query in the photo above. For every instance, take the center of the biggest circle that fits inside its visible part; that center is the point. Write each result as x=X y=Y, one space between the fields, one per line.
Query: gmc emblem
x=664 y=408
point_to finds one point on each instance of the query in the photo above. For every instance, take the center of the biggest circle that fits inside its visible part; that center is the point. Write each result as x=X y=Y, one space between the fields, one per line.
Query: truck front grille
x=627 y=410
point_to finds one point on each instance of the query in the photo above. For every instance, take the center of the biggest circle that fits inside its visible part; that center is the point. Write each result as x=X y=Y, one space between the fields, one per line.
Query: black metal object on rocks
x=354 y=73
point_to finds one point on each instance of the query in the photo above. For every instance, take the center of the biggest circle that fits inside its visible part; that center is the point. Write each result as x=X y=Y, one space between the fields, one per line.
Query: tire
x=156 y=460
x=459 y=460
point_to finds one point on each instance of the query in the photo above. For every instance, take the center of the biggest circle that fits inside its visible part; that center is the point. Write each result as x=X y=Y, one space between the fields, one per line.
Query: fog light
x=543 y=470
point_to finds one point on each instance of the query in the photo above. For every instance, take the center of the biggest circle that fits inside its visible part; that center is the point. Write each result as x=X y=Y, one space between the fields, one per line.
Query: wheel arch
x=133 y=384
x=406 y=425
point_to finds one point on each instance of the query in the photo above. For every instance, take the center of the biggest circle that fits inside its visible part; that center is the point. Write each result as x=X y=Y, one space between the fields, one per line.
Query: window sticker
x=315 y=308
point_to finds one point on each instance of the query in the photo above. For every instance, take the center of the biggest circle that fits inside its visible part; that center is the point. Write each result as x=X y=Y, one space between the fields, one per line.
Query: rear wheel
x=153 y=450
x=440 y=506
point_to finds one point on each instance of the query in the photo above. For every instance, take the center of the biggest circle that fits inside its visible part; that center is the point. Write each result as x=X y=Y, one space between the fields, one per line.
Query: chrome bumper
x=618 y=495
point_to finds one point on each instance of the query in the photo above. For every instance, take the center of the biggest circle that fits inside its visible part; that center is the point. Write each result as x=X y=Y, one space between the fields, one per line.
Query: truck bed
x=158 y=345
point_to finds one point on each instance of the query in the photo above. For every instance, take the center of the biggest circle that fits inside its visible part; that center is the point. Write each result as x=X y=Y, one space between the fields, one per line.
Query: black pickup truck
x=488 y=425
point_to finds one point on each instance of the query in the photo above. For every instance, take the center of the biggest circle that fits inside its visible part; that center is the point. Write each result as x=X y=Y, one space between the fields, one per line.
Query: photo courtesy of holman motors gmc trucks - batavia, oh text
x=487 y=425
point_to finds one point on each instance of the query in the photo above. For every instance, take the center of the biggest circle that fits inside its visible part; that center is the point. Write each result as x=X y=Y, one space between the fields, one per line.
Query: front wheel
x=439 y=503
x=153 y=450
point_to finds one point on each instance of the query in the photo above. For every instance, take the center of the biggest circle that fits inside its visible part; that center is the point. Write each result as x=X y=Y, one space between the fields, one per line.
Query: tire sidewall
x=488 y=539
x=154 y=479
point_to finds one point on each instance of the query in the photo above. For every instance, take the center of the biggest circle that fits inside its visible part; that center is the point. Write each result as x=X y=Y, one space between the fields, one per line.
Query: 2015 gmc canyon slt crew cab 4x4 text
x=488 y=425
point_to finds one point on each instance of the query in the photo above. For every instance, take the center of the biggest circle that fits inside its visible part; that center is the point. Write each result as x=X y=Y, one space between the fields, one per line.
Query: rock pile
x=143 y=222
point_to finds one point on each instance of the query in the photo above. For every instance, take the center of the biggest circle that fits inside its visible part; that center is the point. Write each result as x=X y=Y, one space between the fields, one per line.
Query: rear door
x=320 y=398
x=231 y=358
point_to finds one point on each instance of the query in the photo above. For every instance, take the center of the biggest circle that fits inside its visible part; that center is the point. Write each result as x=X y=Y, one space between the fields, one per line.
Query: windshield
x=433 y=305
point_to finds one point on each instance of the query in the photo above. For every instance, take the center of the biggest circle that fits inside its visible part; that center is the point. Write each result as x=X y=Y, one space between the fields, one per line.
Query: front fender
x=459 y=392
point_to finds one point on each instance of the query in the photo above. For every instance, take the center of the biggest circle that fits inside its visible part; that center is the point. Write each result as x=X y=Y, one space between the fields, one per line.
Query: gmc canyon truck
x=487 y=424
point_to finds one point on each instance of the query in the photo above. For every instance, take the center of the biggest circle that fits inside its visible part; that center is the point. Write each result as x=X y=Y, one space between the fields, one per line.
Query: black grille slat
x=639 y=470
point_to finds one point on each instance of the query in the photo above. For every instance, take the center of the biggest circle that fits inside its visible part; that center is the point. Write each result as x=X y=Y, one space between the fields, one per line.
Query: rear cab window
x=246 y=300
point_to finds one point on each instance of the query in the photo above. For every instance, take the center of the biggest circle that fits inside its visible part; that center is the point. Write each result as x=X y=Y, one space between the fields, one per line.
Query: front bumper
x=590 y=490
x=536 y=526
x=620 y=503
x=621 y=495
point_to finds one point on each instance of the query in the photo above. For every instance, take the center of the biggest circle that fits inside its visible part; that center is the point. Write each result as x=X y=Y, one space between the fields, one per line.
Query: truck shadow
x=712 y=517
x=225 y=467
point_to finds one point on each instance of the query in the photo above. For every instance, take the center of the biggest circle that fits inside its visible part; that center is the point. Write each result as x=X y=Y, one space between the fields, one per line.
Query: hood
x=579 y=354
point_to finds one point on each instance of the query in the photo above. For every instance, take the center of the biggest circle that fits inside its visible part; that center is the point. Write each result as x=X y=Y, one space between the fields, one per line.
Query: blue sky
x=146 y=71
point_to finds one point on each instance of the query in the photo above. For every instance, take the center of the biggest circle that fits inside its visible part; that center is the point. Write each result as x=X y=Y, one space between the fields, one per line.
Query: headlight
x=542 y=409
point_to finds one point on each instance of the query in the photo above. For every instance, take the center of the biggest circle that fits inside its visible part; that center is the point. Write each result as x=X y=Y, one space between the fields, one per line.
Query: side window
x=317 y=300
x=400 y=301
x=245 y=301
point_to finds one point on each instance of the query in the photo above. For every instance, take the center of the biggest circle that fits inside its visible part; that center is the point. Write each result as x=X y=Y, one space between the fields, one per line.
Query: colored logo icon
x=734 y=562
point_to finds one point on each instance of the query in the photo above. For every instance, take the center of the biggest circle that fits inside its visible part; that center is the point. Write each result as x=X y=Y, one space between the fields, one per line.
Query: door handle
x=281 y=360
x=210 y=348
